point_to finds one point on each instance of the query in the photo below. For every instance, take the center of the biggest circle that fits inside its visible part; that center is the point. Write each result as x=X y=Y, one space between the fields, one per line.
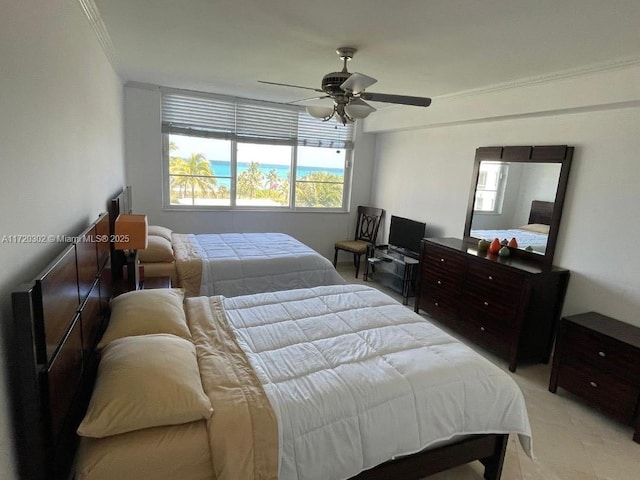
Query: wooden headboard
x=117 y=205
x=58 y=318
x=541 y=212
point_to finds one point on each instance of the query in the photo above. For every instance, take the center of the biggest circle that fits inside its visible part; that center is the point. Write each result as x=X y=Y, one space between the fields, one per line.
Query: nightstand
x=155 y=282
x=598 y=359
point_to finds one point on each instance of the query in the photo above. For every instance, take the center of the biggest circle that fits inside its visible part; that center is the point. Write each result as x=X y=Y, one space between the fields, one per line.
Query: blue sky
x=215 y=149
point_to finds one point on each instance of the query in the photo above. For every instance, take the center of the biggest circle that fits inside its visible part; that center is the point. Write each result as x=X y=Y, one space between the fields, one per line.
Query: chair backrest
x=368 y=223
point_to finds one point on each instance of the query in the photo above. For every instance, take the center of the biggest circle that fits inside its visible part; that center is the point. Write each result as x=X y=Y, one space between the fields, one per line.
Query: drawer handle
x=436 y=304
x=486 y=304
x=593 y=384
x=602 y=354
x=439 y=282
x=442 y=259
x=490 y=277
x=482 y=329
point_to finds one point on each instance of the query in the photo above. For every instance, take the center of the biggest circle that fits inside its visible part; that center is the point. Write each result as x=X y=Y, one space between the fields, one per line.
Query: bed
x=58 y=322
x=534 y=234
x=377 y=382
x=231 y=264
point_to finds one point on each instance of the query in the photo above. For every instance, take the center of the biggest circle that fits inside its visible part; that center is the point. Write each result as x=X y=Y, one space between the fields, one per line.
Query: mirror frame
x=561 y=154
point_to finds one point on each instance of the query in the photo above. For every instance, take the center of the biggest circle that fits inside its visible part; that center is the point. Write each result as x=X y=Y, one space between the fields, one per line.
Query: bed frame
x=59 y=318
x=541 y=212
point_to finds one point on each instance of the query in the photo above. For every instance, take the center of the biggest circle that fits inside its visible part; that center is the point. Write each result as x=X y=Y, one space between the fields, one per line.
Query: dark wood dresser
x=509 y=305
x=598 y=359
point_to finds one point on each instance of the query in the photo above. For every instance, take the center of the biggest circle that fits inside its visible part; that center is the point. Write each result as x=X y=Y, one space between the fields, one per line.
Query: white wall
x=425 y=173
x=61 y=147
x=143 y=140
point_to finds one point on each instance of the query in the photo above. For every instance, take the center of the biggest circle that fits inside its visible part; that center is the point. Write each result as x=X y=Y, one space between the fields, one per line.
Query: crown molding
x=95 y=20
x=586 y=70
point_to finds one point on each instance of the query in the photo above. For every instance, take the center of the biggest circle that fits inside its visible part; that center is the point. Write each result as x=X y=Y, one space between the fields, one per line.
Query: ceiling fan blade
x=357 y=82
x=400 y=99
x=309 y=98
x=288 y=85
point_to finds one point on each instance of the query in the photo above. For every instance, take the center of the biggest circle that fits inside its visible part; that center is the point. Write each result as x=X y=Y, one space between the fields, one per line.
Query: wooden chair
x=366 y=233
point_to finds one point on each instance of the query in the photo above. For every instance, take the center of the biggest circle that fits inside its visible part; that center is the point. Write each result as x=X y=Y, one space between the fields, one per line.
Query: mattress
x=234 y=264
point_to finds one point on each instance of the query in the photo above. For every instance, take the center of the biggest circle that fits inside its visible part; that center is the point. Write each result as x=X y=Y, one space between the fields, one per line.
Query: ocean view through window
x=287 y=160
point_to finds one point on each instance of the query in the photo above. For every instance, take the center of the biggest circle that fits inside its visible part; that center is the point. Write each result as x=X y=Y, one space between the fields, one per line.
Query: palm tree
x=319 y=189
x=250 y=181
x=273 y=180
x=194 y=173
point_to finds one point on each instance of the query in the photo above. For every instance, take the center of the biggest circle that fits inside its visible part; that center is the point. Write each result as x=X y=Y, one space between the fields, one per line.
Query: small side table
x=598 y=359
x=382 y=254
x=155 y=282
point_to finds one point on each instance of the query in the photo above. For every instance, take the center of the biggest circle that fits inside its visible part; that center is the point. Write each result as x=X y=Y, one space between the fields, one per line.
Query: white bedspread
x=244 y=263
x=356 y=379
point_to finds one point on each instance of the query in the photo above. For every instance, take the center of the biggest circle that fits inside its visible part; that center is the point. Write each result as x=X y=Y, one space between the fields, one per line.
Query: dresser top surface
x=471 y=248
x=608 y=326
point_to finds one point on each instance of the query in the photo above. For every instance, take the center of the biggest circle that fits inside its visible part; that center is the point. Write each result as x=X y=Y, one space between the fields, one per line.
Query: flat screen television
x=405 y=234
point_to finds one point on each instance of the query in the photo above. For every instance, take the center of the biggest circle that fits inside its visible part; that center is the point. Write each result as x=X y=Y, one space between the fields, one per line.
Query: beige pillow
x=537 y=228
x=143 y=382
x=145 y=312
x=159 y=231
x=158 y=249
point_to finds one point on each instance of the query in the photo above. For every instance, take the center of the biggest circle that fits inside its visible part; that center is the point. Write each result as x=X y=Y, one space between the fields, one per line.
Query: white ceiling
x=413 y=47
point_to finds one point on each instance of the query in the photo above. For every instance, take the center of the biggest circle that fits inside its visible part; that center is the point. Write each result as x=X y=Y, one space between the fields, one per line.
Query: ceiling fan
x=347 y=90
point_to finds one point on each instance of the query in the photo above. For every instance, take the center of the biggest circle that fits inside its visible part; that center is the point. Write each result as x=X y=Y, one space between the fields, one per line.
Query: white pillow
x=145 y=381
x=144 y=312
x=158 y=249
x=159 y=231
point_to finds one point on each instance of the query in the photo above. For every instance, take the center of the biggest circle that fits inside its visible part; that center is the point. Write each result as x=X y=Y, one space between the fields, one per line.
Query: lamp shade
x=358 y=109
x=319 y=112
x=131 y=232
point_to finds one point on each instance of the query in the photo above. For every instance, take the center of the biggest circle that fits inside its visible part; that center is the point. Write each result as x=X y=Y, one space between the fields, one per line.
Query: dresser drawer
x=497 y=281
x=487 y=331
x=434 y=256
x=438 y=304
x=604 y=353
x=609 y=393
x=491 y=303
x=441 y=279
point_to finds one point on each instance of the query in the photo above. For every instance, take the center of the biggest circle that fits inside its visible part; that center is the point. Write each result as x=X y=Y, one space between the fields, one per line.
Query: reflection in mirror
x=515 y=200
x=518 y=192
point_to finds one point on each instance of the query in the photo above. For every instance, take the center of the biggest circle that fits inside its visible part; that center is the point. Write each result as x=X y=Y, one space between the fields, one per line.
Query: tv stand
x=400 y=273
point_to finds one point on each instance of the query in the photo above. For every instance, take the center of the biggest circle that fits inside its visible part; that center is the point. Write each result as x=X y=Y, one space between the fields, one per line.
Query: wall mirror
x=518 y=192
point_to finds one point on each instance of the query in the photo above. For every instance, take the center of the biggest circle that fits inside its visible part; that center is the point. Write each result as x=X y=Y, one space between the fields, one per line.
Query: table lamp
x=131 y=236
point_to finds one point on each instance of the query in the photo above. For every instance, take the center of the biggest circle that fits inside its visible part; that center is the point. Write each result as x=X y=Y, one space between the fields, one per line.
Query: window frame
x=305 y=129
x=500 y=190
x=233 y=206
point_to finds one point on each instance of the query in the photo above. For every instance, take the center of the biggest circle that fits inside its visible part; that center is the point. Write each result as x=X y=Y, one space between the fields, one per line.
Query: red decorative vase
x=495 y=246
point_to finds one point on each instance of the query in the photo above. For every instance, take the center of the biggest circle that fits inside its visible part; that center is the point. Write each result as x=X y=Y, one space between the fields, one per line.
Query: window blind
x=218 y=116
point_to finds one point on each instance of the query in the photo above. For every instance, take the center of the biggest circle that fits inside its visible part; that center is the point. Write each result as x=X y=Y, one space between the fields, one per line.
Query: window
x=492 y=179
x=226 y=153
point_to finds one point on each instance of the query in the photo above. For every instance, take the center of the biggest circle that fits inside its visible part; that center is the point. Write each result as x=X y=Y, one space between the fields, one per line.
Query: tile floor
x=571 y=441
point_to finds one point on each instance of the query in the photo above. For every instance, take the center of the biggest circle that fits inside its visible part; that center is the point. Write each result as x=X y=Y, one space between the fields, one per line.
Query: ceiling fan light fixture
x=357 y=109
x=319 y=112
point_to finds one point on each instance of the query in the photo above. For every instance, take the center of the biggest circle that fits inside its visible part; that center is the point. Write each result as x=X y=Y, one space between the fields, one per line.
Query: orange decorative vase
x=513 y=243
x=495 y=246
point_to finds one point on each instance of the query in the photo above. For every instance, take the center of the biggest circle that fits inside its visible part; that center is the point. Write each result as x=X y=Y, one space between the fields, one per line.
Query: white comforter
x=244 y=263
x=355 y=379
